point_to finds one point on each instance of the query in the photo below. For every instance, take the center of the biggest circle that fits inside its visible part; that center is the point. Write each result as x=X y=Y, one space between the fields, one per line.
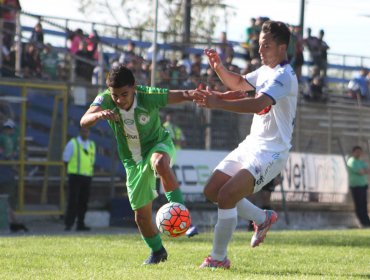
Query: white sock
x=247 y=210
x=224 y=229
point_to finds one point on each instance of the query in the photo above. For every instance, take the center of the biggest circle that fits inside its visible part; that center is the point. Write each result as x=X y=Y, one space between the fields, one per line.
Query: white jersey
x=272 y=128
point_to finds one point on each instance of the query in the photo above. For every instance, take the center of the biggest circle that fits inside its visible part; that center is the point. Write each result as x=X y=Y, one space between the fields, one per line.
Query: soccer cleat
x=157 y=257
x=261 y=230
x=209 y=262
x=192 y=230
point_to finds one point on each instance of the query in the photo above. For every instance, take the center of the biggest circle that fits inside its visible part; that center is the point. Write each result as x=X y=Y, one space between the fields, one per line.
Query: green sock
x=175 y=196
x=154 y=243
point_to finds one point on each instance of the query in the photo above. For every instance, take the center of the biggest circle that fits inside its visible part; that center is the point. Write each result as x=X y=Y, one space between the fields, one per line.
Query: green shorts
x=141 y=178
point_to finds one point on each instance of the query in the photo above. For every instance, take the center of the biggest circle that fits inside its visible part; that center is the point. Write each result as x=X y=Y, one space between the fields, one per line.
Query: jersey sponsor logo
x=129 y=121
x=143 y=119
x=265 y=111
x=130 y=136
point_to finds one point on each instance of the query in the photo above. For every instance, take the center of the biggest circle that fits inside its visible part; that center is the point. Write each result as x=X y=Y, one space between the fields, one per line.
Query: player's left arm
x=177 y=96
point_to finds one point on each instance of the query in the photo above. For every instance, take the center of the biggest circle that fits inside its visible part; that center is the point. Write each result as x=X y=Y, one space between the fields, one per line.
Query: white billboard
x=307 y=177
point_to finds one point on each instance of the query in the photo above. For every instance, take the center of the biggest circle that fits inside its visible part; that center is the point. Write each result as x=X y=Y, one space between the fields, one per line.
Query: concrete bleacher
x=319 y=127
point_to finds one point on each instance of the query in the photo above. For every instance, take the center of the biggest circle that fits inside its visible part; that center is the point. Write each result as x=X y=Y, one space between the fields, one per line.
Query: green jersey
x=355 y=178
x=139 y=129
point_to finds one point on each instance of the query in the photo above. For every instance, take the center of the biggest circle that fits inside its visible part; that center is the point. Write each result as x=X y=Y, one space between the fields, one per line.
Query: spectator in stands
x=313 y=45
x=145 y=156
x=31 y=63
x=85 y=61
x=162 y=75
x=6 y=111
x=8 y=62
x=252 y=38
x=358 y=86
x=315 y=86
x=149 y=54
x=49 y=63
x=143 y=75
x=92 y=44
x=174 y=74
x=185 y=60
x=75 y=40
x=37 y=36
x=358 y=172
x=323 y=54
x=79 y=156
x=184 y=81
x=252 y=33
x=196 y=70
x=299 y=59
x=175 y=131
x=129 y=55
x=8 y=185
x=225 y=48
x=8 y=12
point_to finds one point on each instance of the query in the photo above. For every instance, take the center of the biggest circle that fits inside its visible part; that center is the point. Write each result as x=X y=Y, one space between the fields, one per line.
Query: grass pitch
x=329 y=254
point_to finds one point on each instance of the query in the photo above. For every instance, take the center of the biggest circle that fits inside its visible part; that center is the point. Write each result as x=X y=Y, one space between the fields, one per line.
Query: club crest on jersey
x=143 y=119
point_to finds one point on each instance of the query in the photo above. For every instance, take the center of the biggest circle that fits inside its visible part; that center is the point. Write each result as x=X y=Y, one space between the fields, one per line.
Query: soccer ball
x=173 y=219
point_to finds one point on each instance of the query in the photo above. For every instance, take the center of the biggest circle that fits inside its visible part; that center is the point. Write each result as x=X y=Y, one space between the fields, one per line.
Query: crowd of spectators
x=174 y=69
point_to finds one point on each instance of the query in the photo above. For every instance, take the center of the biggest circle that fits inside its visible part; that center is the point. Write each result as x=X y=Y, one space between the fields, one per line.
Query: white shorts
x=263 y=165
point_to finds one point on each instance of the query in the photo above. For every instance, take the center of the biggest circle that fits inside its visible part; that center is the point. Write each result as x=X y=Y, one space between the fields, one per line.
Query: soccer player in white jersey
x=264 y=152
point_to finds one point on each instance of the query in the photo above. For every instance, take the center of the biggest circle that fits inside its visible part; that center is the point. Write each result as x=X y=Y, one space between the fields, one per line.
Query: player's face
x=269 y=51
x=123 y=97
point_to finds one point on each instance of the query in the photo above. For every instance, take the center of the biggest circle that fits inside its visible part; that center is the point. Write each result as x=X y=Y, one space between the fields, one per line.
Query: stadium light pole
x=154 y=44
x=187 y=20
x=301 y=21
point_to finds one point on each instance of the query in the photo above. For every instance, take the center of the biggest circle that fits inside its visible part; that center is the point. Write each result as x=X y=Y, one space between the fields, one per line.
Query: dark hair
x=355 y=148
x=279 y=31
x=120 y=76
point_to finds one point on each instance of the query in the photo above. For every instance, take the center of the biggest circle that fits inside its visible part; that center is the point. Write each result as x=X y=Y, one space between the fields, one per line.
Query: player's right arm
x=231 y=80
x=95 y=113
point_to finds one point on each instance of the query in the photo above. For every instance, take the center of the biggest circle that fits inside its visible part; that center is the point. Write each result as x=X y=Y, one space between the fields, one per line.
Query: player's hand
x=108 y=115
x=213 y=58
x=207 y=99
x=232 y=95
x=195 y=94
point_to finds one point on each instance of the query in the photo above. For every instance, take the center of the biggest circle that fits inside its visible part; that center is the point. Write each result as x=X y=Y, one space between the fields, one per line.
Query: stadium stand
x=318 y=128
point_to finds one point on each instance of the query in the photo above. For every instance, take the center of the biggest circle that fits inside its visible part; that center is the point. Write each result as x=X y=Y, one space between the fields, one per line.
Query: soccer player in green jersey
x=144 y=146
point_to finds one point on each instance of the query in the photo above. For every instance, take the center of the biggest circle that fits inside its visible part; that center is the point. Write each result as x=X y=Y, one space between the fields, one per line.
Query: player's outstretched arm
x=177 y=96
x=231 y=80
x=95 y=113
x=212 y=100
